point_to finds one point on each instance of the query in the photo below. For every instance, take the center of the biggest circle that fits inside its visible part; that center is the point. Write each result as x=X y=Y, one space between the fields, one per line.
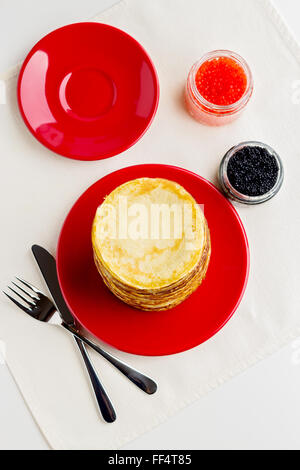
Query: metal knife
x=47 y=265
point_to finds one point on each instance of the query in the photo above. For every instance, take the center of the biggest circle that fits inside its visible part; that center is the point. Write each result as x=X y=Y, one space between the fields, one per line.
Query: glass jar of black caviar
x=251 y=173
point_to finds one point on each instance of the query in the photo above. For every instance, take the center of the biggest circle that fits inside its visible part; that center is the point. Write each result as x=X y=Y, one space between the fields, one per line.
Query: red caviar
x=221 y=81
x=218 y=88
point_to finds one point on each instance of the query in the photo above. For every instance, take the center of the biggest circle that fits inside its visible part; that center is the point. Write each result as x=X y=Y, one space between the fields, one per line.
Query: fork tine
x=28 y=302
x=22 y=307
x=34 y=289
x=25 y=292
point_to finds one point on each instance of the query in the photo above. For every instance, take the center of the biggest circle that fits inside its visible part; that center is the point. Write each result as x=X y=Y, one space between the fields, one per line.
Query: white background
x=257 y=410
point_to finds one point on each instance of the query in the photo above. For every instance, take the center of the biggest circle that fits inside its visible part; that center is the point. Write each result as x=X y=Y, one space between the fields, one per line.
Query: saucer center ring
x=87 y=93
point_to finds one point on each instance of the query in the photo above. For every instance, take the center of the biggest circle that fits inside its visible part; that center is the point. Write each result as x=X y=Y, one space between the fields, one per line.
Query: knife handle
x=104 y=403
x=140 y=380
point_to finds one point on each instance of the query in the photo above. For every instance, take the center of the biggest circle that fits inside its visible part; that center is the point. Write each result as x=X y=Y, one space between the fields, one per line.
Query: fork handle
x=104 y=403
x=140 y=380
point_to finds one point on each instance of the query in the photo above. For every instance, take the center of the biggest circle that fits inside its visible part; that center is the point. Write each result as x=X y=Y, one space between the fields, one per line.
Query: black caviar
x=252 y=171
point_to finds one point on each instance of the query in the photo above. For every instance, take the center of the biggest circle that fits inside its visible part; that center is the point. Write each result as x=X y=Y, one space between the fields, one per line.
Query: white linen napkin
x=38 y=188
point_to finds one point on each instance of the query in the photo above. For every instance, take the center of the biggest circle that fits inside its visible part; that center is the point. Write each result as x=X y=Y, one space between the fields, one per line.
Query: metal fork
x=41 y=308
x=36 y=310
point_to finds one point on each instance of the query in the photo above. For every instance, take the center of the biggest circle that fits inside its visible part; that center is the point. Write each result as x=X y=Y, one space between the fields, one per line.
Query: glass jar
x=235 y=195
x=209 y=113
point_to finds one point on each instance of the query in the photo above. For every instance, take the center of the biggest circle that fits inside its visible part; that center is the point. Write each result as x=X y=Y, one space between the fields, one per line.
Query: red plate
x=199 y=317
x=88 y=91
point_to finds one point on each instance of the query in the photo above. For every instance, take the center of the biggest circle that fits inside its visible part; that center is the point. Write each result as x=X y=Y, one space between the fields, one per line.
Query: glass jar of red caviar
x=218 y=88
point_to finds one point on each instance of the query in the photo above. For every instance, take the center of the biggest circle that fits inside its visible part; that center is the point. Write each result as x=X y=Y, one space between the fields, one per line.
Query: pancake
x=151 y=243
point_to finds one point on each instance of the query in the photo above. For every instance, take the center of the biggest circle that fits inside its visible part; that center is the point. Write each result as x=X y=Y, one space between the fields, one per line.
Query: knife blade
x=47 y=265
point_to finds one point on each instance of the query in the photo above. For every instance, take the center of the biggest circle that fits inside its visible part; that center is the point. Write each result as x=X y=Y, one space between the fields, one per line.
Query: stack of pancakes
x=151 y=243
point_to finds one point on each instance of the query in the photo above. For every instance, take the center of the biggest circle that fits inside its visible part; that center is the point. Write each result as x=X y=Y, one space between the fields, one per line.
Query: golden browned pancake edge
x=157 y=298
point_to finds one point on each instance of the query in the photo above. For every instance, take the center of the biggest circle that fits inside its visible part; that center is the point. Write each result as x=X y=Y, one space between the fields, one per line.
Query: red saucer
x=154 y=333
x=88 y=91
